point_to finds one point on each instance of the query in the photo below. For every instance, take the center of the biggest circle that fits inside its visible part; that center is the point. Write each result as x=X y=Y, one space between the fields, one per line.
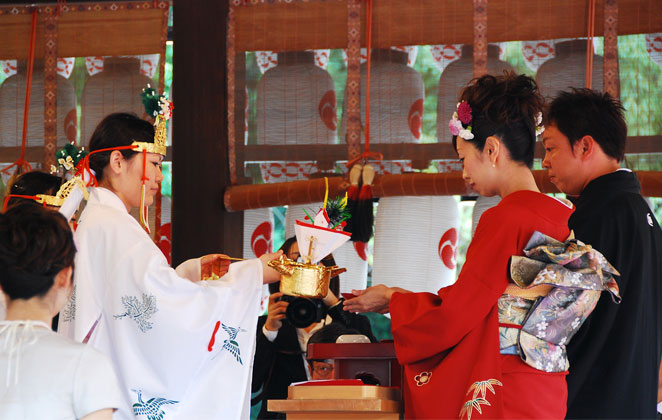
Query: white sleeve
x=95 y=383
x=190 y=269
x=271 y=335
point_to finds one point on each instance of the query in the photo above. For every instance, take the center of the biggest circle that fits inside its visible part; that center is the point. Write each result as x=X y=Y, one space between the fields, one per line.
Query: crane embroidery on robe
x=479 y=388
x=151 y=408
x=69 y=311
x=140 y=312
x=231 y=344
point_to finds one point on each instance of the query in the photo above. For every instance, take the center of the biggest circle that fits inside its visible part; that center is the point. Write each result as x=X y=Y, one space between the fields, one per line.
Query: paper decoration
x=412 y=53
x=537 y=52
x=324 y=240
x=654 y=47
x=65 y=65
x=268 y=59
x=444 y=54
x=148 y=64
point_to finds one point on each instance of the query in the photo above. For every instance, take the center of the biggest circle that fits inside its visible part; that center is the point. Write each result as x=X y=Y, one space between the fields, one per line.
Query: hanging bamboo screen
x=90 y=59
x=297 y=76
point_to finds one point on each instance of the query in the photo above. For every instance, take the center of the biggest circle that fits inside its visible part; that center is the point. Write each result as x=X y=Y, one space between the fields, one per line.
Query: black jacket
x=279 y=363
x=615 y=356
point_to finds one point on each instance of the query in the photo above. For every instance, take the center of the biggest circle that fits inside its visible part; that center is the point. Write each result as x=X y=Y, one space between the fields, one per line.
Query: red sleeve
x=423 y=325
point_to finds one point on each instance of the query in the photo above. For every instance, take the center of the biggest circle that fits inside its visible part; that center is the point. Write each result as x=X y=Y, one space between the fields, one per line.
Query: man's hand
x=269 y=274
x=276 y=312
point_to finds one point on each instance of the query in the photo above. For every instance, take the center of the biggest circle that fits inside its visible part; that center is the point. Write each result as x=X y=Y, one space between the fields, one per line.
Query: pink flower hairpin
x=461 y=118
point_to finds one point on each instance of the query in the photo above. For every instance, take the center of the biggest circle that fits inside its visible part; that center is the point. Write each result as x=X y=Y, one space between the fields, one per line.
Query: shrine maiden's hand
x=269 y=274
x=214 y=266
x=372 y=299
x=276 y=312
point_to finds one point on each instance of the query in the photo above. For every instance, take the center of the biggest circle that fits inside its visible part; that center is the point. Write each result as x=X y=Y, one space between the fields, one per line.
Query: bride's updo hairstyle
x=506 y=107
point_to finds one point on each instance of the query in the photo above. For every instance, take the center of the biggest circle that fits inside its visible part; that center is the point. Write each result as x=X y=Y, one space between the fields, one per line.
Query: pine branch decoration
x=151 y=101
x=337 y=211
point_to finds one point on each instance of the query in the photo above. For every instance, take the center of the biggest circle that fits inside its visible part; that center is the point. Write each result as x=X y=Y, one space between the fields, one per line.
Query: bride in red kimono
x=461 y=348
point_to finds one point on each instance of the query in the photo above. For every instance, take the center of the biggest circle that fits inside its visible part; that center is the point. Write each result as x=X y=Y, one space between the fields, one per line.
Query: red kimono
x=449 y=342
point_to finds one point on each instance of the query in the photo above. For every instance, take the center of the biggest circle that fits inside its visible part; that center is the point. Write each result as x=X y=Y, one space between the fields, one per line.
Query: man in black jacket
x=615 y=356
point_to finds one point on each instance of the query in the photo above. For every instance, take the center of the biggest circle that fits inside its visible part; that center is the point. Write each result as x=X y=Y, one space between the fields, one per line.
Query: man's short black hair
x=582 y=112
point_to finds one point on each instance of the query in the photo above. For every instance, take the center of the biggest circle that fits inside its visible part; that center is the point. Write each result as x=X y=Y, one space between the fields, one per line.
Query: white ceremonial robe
x=180 y=349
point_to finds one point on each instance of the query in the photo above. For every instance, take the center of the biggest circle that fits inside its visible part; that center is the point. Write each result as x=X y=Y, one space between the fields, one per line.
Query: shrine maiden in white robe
x=180 y=349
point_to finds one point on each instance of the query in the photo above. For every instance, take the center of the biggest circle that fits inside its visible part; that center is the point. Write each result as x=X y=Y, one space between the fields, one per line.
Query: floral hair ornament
x=459 y=124
x=71 y=192
x=539 y=127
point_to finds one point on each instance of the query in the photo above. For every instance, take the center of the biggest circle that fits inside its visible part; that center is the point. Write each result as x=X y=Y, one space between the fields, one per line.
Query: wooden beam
x=300 y=25
x=244 y=197
x=200 y=223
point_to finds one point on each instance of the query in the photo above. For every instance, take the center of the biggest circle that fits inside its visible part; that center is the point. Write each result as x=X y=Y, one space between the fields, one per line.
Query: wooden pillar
x=200 y=224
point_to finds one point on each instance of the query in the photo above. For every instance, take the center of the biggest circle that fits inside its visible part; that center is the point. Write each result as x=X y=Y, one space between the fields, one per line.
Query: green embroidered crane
x=151 y=408
x=231 y=344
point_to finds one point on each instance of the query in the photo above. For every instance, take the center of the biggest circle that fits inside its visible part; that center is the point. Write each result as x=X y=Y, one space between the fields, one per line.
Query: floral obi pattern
x=556 y=287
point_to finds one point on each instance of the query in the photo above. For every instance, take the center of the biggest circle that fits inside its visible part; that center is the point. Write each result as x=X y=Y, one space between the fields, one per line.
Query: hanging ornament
x=65 y=66
x=8 y=67
x=444 y=54
x=266 y=60
x=94 y=65
x=654 y=47
x=537 y=52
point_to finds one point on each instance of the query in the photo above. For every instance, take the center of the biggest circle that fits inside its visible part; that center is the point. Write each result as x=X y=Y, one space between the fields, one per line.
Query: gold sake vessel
x=304 y=280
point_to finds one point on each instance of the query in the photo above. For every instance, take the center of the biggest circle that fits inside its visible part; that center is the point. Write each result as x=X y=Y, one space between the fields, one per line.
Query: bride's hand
x=372 y=299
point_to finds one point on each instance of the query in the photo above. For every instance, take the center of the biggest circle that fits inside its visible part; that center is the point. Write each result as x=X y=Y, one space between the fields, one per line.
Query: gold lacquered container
x=305 y=280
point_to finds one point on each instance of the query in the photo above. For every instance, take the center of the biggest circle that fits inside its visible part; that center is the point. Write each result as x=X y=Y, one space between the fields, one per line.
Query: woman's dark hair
x=35 y=245
x=504 y=106
x=33 y=183
x=275 y=287
x=585 y=112
x=119 y=129
x=287 y=245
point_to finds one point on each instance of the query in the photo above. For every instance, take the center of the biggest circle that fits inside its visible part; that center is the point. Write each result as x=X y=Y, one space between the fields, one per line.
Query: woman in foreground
x=44 y=374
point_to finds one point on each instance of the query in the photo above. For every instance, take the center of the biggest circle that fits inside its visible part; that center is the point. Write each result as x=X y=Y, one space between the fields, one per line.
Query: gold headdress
x=159 y=107
x=74 y=189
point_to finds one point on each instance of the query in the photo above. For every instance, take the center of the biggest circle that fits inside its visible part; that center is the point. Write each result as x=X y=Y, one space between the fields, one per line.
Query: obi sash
x=556 y=287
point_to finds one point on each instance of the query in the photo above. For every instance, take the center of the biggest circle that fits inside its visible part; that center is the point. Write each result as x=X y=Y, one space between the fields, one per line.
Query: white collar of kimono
x=108 y=198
